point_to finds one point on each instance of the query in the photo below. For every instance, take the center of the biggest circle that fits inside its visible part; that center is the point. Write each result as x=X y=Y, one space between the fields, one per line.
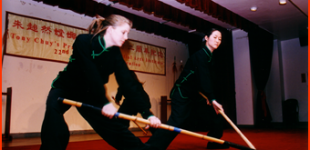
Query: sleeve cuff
x=107 y=103
x=150 y=116
x=146 y=114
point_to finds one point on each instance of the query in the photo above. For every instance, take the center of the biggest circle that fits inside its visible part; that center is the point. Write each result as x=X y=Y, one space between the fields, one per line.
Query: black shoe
x=149 y=147
x=212 y=145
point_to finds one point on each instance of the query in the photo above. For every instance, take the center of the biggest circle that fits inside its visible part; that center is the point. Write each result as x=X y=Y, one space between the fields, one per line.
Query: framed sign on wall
x=40 y=39
x=143 y=57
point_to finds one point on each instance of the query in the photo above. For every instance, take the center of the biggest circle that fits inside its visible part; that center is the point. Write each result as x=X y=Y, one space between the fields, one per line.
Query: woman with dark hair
x=95 y=56
x=196 y=77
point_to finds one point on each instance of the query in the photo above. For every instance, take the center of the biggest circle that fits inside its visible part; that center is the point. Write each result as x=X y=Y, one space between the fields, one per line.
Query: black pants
x=180 y=111
x=55 y=133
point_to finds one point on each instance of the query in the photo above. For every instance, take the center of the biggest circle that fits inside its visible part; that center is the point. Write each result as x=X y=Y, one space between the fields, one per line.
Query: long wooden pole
x=144 y=132
x=162 y=126
x=231 y=123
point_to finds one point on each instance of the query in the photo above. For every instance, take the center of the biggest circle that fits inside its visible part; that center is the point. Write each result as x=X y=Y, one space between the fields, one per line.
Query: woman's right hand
x=109 y=110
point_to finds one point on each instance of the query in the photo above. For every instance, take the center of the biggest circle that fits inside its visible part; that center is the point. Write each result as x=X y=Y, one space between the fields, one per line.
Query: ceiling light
x=190 y=31
x=254 y=8
x=282 y=2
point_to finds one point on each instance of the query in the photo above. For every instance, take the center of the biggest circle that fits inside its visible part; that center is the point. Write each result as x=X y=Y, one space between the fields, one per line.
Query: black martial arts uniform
x=82 y=80
x=196 y=77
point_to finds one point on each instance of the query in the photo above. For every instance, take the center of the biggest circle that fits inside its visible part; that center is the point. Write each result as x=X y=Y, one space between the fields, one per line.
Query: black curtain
x=162 y=10
x=225 y=76
x=261 y=47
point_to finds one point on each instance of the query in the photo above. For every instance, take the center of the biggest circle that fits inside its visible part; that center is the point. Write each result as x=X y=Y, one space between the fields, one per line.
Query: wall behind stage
x=30 y=79
x=295 y=63
x=289 y=61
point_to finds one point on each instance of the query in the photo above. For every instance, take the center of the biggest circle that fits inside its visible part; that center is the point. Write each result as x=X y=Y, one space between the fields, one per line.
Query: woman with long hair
x=95 y=56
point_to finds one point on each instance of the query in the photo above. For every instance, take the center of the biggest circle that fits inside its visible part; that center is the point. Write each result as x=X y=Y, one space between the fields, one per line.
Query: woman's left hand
x=217 y=106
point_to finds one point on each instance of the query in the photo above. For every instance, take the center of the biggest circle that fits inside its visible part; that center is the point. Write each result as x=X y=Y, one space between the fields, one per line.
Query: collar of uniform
x=207 y=51
x=98 y=46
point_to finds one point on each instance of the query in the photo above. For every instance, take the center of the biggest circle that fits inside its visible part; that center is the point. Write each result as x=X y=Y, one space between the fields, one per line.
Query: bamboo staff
x=144 y=132
x=231 y=123
x=163 y=126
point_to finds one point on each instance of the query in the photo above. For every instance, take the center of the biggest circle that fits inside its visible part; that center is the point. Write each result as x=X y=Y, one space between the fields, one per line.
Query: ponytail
x=100 y=24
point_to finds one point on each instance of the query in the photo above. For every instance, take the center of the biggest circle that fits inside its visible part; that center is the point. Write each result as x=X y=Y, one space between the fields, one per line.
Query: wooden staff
x=163 y=126
x=144 y=132
x=231 y=123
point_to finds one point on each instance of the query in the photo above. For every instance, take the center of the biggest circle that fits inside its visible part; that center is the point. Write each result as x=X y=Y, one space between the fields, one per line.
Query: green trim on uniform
x=185 y=78
x=107 y=103
x=54 y=81
x=179 y=85
x=181 y=93
x=150 y=116
x=103 y=49
x=71 y=59
x=210 y=55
